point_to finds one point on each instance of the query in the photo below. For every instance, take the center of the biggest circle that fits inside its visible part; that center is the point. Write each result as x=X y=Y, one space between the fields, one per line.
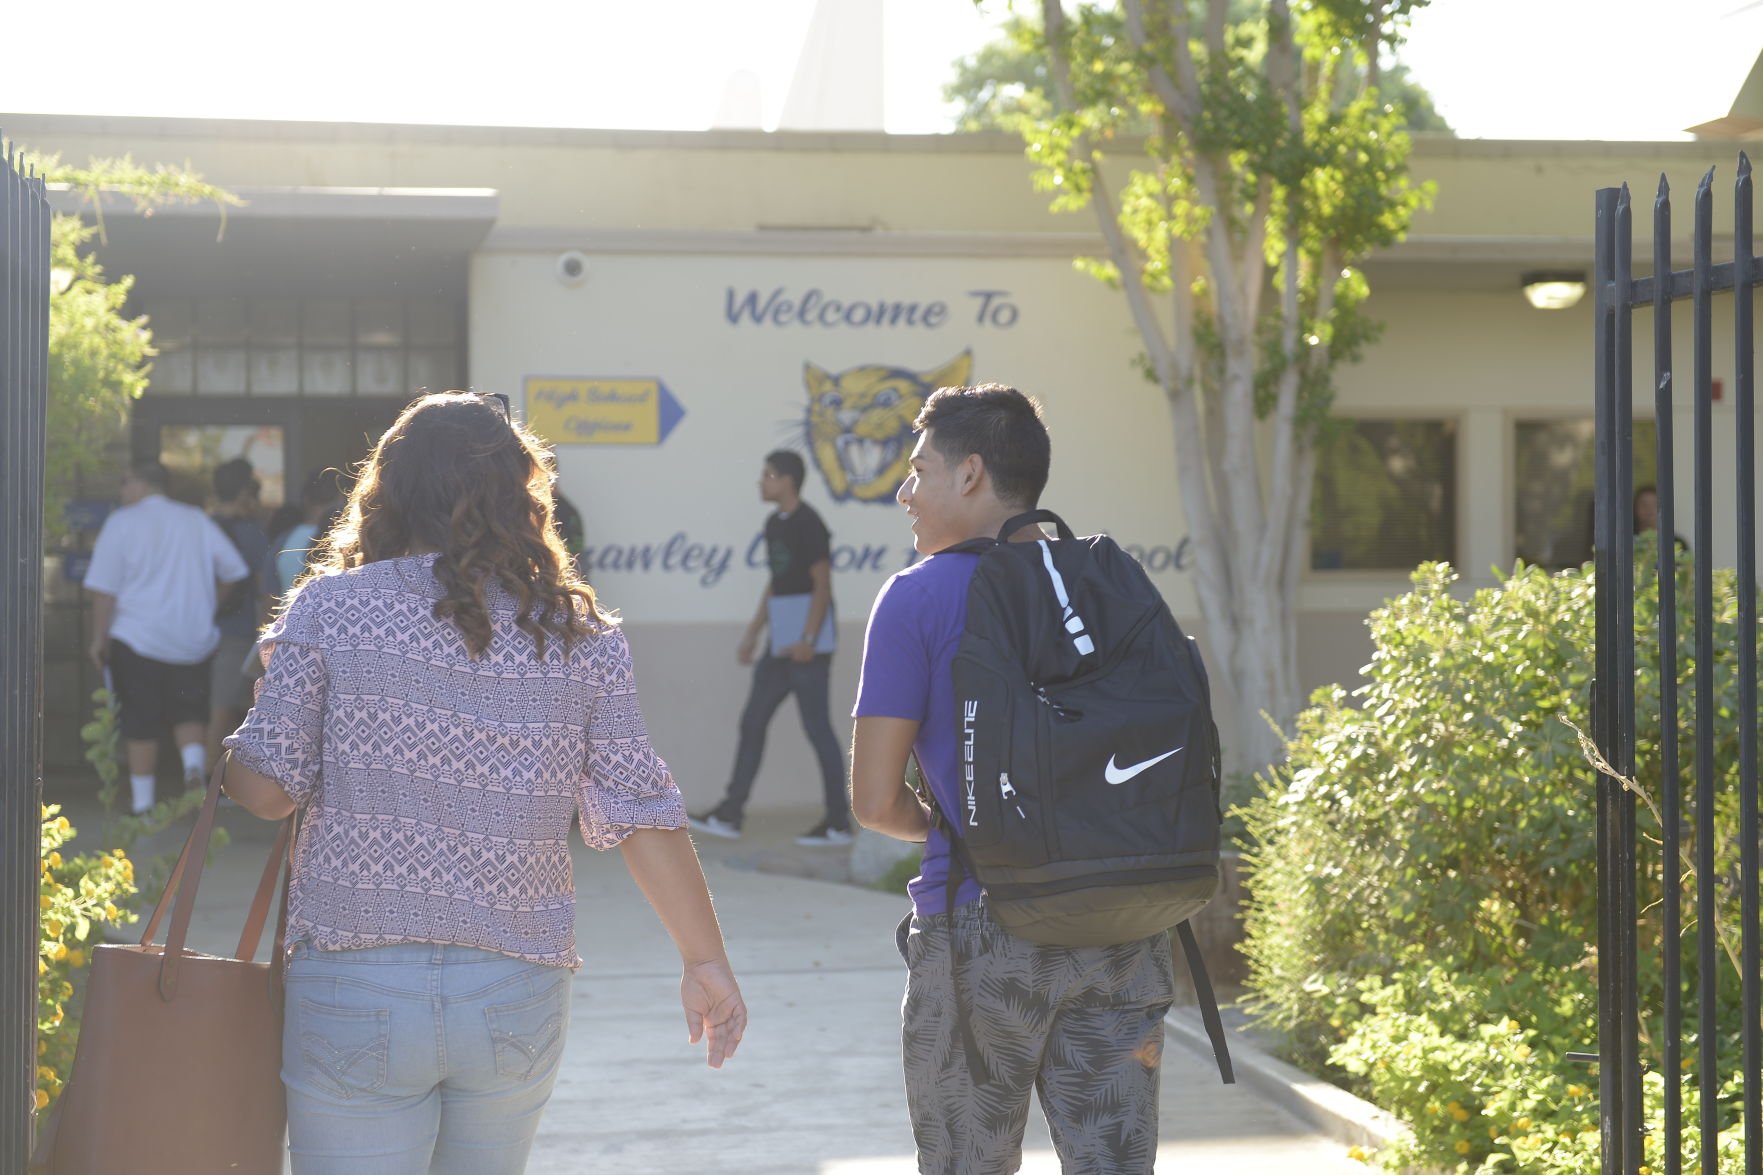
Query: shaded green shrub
x=1423 y=917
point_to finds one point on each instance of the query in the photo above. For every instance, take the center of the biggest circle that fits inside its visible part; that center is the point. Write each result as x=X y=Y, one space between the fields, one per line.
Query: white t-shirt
x=160 y=559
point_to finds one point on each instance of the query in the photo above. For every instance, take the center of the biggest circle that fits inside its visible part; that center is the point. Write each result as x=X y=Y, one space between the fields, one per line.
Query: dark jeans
x=774 y=679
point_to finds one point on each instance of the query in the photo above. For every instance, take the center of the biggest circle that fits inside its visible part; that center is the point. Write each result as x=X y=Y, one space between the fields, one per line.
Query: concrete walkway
x=816 y=1086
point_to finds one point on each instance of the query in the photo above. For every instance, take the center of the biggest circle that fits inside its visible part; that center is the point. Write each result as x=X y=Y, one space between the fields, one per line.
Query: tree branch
x=1217 y=20
x=1212 y=573
x=1283 y=62
x=1183 y=99
x=1255 y=249
x=1125 y=256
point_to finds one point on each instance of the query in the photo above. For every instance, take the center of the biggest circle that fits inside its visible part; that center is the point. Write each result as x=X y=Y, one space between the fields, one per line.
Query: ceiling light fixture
x=1554 y=290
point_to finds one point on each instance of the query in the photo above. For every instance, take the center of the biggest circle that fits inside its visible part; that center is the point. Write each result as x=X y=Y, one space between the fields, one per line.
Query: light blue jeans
x=418 y=1058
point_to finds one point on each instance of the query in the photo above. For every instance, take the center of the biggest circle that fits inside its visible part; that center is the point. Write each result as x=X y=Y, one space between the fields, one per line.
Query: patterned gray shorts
x=1080 y=1026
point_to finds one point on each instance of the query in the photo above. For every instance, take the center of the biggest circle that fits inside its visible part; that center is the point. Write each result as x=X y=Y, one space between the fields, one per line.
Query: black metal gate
x=1706 y=816
x=24 y=362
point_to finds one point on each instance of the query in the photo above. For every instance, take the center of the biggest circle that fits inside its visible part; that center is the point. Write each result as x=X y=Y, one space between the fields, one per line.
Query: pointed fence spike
x=1707 y=184
x=1744 y=165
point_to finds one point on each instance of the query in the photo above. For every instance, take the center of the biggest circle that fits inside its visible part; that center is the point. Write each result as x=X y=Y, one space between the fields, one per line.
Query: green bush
x=900 y=874
x=1423 y=868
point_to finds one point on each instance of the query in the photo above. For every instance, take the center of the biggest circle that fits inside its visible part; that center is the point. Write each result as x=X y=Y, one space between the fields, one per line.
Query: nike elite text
x=969 y=712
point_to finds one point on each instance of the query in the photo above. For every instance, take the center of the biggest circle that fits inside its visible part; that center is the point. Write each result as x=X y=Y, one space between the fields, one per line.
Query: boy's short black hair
x=151 y=473
x=788 y=463
x=232 y=478
x=1000 y=424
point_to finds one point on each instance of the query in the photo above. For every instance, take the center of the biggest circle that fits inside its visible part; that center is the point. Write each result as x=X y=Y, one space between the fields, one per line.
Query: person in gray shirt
x=243 y=607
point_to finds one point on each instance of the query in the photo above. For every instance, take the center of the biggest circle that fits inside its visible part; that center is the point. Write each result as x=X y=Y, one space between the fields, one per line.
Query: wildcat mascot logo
x=860 y=423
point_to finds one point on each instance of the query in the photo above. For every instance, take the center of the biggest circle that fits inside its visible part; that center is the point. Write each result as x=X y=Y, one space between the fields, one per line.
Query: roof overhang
x=291 y=242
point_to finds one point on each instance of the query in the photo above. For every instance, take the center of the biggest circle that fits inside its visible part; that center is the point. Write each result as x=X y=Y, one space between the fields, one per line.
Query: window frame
x=1511 y=418
x=1312 y=575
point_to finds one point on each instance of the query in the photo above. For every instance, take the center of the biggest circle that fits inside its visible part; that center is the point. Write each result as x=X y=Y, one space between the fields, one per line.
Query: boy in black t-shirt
x=796 y=607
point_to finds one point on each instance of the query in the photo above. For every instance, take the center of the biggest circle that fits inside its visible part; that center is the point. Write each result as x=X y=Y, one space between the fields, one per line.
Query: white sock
x=195 y=761
x=141 y=787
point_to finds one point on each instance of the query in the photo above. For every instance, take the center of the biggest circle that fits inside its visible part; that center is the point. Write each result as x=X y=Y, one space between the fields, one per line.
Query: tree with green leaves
x=990 y=84
x=1259 y=162
x=99 y=357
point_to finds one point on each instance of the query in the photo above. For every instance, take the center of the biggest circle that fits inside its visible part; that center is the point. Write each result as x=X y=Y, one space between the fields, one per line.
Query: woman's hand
x=714 y=1008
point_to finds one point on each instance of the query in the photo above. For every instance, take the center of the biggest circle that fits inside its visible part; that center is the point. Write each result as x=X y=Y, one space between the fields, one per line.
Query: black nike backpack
x=1088 y=755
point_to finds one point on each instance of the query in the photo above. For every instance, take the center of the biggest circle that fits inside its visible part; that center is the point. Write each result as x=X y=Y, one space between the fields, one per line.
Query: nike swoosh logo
x=1118 y=775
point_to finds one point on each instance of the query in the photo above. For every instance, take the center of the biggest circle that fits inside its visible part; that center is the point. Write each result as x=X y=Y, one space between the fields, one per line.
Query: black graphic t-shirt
x=794 y=542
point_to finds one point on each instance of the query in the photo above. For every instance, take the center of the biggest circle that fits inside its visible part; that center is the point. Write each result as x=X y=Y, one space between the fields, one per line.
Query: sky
x=1497 y=68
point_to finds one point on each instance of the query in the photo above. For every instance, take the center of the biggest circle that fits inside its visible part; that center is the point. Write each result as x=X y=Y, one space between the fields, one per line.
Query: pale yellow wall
x=669 y=225
x=734 y=180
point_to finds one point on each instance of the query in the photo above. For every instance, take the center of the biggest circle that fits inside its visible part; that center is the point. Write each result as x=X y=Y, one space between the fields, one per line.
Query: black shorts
x=155 y=695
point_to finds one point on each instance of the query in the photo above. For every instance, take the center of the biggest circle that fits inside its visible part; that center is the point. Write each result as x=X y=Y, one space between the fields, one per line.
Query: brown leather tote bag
x=178 y=1066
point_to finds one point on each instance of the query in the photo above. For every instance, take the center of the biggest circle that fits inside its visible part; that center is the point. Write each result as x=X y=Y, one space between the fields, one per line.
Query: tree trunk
x=1261 y=667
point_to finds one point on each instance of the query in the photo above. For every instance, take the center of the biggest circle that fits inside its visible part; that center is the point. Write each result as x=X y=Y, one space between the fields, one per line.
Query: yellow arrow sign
x=582 y=410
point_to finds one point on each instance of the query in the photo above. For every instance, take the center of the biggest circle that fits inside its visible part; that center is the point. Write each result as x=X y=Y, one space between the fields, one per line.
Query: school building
x=667 y=307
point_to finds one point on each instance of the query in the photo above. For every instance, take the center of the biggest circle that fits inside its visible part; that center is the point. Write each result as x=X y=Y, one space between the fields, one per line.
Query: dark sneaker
x=824 y=834
x=715 y=824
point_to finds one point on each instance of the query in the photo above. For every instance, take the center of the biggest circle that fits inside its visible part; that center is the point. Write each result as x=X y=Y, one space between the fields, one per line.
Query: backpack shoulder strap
x=1208 y=1002
x=1017 y=522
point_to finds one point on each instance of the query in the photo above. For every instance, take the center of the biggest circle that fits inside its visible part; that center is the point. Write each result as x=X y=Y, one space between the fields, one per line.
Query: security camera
x=572 y=268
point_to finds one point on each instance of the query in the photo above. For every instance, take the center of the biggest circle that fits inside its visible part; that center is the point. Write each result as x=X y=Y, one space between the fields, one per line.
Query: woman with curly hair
x=443 y=697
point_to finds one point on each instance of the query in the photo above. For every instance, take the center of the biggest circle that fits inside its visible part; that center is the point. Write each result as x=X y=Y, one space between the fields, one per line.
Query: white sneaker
x=824 y=835
x=714 y=825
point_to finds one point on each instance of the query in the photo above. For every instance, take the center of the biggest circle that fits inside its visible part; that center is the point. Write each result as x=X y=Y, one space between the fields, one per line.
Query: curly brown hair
x=457 y=476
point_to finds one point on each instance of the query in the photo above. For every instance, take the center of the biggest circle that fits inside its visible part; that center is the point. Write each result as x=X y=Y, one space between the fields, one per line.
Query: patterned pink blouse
x=436 y=792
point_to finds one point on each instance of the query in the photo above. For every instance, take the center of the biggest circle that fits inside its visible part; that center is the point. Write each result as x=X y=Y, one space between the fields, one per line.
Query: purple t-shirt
x=908 y=672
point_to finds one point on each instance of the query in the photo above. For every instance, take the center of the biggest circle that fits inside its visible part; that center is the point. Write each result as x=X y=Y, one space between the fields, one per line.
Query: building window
x=305 y=347
x=1385 y=496
x=1554 y=468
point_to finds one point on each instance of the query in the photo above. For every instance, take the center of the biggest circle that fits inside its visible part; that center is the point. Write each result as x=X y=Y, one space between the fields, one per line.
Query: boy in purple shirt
x=1083 y=1025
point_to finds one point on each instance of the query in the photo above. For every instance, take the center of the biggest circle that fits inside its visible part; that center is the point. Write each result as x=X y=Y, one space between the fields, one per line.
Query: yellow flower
x=54 y=860
x=1434 y=1109
x=52 y=927
x=1512 y=1025
x=76 y=958
x=1358 y=1153
x=42 y=1047
x=1576 y=1091
x=1521 y=1125
x=1493 y=1132
x=1522 y=1052
x=1459 y=1113
x=58 y=952
x=42 y=1099
x=46 y=902
x=62 y=826
x=1462 y=1146
x=118 y=854
x=111 y=913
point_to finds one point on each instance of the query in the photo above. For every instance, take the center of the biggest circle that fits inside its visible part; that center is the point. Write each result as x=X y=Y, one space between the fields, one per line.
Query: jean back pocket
x=528 y=1035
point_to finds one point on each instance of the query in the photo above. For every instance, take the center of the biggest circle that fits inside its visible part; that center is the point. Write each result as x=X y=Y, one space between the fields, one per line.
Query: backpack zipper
x=1008 y=792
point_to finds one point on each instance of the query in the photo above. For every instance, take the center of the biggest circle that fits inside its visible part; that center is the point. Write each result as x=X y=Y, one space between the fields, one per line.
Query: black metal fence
x=24 y=359
x=1671 y=960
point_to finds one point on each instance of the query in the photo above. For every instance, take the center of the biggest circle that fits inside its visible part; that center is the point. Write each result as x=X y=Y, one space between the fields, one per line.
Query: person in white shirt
x=156 y=574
